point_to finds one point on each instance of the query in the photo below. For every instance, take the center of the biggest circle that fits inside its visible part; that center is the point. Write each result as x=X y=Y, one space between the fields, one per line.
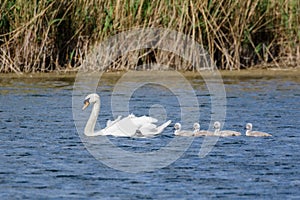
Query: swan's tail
x=163 y=126
x=149 y=130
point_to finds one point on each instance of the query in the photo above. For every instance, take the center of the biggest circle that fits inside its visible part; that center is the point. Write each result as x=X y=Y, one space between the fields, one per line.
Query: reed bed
x=49 y=35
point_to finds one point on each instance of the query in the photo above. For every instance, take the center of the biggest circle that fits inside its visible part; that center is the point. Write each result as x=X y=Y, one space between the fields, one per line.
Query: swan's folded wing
x=122 y=127
x=140 y=121
x=110 y=123
x=148 y=129
x=130 y=124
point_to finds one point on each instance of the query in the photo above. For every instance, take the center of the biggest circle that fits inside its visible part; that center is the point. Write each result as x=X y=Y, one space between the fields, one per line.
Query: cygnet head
x=91 y=98
x=217 y=125
x=177 y=126
x=196 y=126
x=249 y=126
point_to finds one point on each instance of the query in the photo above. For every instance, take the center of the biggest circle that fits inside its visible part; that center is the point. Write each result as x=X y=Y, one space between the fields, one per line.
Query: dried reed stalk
x=57 y=35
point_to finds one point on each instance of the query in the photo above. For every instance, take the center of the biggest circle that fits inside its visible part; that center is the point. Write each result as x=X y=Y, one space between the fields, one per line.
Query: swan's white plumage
x=109 y=122
x=179 y=132
x=249 y=132
x=224 y=133
x=122 y=127
x=198 y=132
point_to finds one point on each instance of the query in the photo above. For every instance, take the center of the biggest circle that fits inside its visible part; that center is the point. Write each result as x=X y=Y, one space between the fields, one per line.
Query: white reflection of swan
x=225 y=133
x=123 y=127
x=249 y=132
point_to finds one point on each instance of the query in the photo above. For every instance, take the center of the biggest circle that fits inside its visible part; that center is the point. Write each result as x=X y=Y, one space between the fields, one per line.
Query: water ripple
x=42 y=156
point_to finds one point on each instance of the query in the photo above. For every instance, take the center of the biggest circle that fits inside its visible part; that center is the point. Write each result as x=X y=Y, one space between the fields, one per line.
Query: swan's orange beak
x=86 y=104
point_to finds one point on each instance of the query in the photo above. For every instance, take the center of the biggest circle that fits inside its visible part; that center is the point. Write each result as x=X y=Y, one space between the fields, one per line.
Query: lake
x=43 y=156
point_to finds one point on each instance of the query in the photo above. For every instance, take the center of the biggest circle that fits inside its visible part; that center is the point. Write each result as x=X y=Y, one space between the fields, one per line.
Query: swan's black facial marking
x=86 y=101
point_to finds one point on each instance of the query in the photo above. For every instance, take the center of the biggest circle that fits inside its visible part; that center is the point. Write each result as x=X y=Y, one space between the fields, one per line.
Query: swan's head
x=177 y=126
x=91 y=98
x=217 y=125
x=196 y=126
x=249 y=126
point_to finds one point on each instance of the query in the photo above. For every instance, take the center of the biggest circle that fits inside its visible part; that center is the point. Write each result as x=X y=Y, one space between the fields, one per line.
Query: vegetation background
x=48 y=35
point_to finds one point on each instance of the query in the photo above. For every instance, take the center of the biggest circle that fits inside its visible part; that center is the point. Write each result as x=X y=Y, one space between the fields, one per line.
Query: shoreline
x=270 y=72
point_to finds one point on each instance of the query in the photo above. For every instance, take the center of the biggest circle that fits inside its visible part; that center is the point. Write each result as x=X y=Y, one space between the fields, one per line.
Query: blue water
x=42 y=155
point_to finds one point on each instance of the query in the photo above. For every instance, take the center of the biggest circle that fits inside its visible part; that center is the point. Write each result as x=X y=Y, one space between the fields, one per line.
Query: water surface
x=42 y=155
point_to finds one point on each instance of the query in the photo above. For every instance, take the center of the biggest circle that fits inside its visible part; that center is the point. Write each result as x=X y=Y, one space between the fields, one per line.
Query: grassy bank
x=48 y=35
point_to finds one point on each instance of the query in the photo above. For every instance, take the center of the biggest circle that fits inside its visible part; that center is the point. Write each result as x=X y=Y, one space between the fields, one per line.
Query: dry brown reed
x=49 y=35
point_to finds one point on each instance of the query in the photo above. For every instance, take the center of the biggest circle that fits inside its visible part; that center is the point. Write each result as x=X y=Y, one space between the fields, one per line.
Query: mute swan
x=123 y=127
x=224 y=133
x=249 y=132
x=179 y=132
x=198 y=132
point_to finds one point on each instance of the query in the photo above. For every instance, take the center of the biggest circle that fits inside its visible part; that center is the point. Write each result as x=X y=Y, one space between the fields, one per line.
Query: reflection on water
x=42 y=155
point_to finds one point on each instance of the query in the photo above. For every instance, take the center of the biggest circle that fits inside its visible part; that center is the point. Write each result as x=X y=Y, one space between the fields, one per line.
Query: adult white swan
x=123 y=127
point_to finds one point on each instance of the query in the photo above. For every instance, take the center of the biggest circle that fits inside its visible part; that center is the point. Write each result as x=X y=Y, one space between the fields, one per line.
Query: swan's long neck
x=177 y=131
x=90 y=125
x=217 y=130
x=248 y=132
